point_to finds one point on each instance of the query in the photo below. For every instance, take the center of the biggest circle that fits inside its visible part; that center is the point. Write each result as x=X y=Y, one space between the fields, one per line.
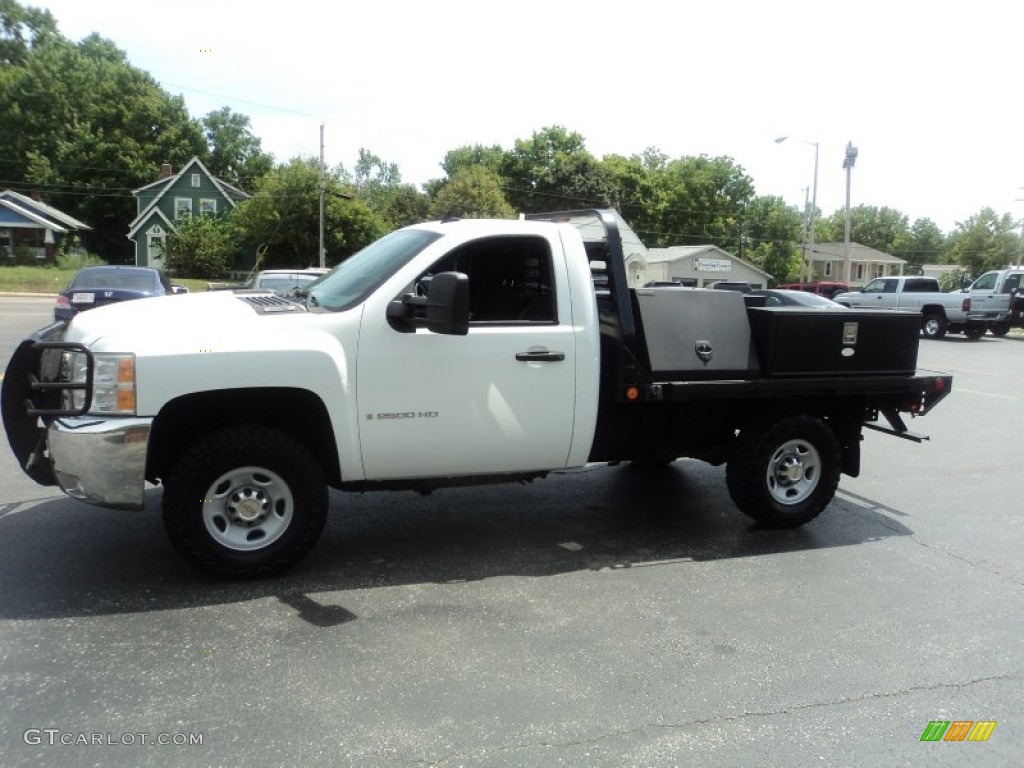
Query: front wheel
x=786 y=472
x=934 y=325
x=999 y=329
x=245 y=501
x=974 y=332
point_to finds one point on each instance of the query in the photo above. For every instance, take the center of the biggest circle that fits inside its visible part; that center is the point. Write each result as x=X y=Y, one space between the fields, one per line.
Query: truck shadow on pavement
x=59 y=558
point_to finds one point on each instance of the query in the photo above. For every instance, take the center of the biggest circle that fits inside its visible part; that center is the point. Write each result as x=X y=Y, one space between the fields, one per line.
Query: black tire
x=934 y=325
x=999 y=329
x=974 y=332
x=786 y=472
x=245 y=501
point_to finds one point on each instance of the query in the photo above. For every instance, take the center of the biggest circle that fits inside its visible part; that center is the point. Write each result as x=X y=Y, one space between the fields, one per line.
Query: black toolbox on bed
x=798 y=341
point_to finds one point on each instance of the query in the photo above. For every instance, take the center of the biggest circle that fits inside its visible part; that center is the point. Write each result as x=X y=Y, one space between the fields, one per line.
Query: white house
x=696 y=265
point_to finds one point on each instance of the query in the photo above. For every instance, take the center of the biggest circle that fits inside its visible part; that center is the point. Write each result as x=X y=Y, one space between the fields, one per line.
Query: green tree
x=473 y=192
x=235 y=154
x=83 y=127
x=201 y=246
x=552 y=170
x=705 y=198
x=23 y=29
x=880 y=228
x=378 y=184
x=771 y=237
x=283 y=215
x=924 y=243
x=638 y=192
x=985 y=241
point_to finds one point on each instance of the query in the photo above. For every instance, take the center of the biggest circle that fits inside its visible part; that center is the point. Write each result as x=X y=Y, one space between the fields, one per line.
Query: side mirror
x=445 y=308
x=448 y=304
x=176 y=288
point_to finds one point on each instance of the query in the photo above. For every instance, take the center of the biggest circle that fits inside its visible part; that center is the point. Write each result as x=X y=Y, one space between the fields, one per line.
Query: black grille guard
x=32 y=396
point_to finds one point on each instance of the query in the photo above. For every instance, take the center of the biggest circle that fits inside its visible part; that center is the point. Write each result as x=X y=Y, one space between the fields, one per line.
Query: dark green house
x=194 y=191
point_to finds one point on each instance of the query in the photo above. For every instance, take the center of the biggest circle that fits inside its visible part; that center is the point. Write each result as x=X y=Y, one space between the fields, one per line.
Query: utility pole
x=813 y=211
x=803 y=228
x=848 y=163
x=323 y=252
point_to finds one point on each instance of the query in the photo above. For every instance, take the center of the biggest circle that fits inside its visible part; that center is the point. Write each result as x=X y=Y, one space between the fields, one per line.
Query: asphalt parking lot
x=601 y=617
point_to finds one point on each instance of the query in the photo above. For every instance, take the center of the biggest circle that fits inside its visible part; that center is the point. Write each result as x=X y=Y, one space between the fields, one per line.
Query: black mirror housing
x=447 y=304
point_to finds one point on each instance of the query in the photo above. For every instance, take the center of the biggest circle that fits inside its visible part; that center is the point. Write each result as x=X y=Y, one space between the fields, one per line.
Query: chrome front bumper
x=101 y=460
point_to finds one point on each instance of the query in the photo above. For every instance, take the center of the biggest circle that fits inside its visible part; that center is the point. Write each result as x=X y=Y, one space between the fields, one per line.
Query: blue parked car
x=98 y=286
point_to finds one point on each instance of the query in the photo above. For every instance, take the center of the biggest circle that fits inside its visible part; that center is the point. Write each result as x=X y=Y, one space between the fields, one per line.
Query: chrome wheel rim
x=794 y=470
x=248 y=508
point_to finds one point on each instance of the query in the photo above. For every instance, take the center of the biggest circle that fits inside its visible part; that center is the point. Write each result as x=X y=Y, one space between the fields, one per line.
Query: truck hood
x=170 y=323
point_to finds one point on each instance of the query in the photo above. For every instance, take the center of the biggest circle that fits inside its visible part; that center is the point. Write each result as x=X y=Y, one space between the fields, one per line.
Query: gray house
x=193 y=191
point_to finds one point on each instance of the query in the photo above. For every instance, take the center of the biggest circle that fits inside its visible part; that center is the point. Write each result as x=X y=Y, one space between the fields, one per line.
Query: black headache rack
x=620 y=353
x=33 y=395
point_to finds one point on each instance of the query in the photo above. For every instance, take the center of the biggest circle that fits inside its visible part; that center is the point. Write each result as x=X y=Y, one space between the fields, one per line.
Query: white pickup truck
x=449 y=353
x=997 y=300
x=940 y=312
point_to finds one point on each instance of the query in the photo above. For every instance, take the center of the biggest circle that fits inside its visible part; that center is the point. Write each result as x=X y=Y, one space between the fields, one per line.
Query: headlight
x=113 y=382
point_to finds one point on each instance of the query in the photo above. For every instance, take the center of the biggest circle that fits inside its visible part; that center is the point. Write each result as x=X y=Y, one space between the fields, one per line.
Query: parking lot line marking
x=986 y=394
x=980 y=373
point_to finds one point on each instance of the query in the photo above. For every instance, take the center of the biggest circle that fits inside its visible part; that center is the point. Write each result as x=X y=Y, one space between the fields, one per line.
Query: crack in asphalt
x=986 y=565
x=480 y=753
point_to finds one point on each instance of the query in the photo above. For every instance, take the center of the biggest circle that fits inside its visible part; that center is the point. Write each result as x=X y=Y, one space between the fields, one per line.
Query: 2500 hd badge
x=402 y=415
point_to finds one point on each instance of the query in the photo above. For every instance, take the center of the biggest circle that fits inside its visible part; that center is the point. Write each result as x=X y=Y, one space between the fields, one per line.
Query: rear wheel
x=999 y=329
x=974 y=332
x=787 y=472
x=245 y=501
x=934 y=325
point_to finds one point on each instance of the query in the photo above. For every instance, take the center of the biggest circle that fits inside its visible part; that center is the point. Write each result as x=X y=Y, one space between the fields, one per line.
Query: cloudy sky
x=928 y=92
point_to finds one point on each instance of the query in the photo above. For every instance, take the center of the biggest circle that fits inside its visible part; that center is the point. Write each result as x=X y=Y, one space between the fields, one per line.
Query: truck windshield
x=360 y=274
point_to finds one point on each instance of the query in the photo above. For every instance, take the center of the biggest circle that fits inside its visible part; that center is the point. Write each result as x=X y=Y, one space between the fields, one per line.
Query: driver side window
x=510 y=279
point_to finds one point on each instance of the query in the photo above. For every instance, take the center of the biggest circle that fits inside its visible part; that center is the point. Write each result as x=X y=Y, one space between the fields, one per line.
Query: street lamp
x=814 y=204
x=848 y=163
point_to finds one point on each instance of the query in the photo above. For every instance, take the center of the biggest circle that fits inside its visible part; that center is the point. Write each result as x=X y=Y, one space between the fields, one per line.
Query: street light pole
x=848 y=163
x=814 y=206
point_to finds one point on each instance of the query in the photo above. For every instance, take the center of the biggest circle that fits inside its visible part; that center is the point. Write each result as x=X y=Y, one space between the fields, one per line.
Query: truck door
x=985 y=299
x=499 y=399
x=880 y=293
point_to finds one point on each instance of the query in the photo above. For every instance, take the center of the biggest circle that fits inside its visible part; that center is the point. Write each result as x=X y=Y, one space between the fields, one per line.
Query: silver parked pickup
x=996 y=299
x=941 y=313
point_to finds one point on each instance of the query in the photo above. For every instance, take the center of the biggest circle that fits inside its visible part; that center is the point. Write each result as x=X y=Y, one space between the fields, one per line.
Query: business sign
x=711 y=265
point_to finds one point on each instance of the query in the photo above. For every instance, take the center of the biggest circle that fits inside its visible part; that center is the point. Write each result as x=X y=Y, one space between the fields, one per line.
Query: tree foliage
x=878 y=228
x=201 y=246
x=473 y=192
x=84 y=127
x=770 y=237
x=985 y=241
x=552 y=170
x=284 y=216
x=235 y=154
